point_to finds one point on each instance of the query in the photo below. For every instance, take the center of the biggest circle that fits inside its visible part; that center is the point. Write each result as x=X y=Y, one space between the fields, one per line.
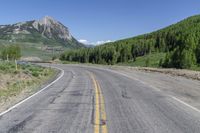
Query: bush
x=35 y=74
x=54 y=57
x=11 y=52
x=147 y=62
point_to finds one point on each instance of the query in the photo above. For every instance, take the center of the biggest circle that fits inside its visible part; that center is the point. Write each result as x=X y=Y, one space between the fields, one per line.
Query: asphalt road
x=92 y=100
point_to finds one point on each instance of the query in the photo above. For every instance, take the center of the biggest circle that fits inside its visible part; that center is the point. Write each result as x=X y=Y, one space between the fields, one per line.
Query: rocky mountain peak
x=46 y=30
x=47 y=20
x=50 y=28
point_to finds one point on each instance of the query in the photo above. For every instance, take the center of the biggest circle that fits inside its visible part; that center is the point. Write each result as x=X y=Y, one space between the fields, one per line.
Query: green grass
x=7 y=67
x=27 y=78
x=34 y=49
x=70 y=62
x=195 y=68
x=153 y=58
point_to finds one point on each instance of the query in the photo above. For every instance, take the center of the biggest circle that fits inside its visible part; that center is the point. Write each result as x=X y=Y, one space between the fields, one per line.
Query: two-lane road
x=93 y=100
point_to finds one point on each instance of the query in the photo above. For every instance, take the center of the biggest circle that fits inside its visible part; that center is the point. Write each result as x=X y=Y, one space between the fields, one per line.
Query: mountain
x=48 y=31
x=176 y=46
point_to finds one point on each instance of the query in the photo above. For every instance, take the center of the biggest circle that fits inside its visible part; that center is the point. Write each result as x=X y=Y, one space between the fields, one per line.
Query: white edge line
x=16 y=105
x=180 y=101
x=176 y=99
x=133 y=78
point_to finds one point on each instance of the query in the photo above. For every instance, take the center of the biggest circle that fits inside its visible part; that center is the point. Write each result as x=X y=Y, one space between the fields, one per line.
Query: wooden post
x=16 y=64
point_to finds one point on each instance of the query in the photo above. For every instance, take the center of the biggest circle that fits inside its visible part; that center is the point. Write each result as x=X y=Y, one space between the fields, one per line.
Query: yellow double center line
x=100 y=113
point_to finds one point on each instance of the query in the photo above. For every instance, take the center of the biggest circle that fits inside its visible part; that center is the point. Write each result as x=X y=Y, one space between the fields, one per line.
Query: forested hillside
x=180 y=42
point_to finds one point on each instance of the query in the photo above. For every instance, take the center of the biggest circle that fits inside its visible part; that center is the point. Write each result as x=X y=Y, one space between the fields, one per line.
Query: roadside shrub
x=3 y=67
x=16 y=72
x=147 y=62
x=35 y=74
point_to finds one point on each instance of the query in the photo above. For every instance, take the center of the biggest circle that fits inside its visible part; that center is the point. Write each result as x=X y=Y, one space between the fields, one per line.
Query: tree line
x=180 y=42
x=10 y=52
x=106 y=54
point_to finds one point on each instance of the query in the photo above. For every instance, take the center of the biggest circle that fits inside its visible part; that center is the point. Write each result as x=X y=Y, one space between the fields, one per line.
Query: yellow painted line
x=103 y=111
x=97 y=108
x=100 y=113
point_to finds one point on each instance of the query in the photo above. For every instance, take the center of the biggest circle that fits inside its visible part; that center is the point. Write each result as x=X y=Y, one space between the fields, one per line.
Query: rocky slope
x=47 y=31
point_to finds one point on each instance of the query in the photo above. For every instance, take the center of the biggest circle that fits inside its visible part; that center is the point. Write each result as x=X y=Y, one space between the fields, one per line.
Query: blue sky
x=102 y=20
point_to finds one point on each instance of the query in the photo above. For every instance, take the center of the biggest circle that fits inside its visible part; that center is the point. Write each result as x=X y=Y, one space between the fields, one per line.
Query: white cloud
x=83 y=41
x=101 y=42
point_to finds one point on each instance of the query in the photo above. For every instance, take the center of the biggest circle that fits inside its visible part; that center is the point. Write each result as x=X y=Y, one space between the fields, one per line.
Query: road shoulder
x=26 y=92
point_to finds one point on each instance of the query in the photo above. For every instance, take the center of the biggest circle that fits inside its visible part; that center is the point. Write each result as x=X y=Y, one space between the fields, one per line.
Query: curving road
x=93 y=100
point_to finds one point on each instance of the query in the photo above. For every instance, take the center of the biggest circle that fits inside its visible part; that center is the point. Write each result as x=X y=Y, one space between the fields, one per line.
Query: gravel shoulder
x=190 y=74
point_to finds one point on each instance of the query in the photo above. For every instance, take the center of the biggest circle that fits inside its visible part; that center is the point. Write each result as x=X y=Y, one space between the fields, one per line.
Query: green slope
x=181 y=42
x=149 y=60
x=29 y=49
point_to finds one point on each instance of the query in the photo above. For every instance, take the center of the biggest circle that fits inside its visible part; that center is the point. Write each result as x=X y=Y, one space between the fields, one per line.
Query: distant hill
x=47 y=30
x=179 y=43
x=39 y=38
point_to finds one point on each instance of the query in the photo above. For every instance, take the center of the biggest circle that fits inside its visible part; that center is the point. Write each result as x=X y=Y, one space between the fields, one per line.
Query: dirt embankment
x=174 y=72
x=190 y=74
